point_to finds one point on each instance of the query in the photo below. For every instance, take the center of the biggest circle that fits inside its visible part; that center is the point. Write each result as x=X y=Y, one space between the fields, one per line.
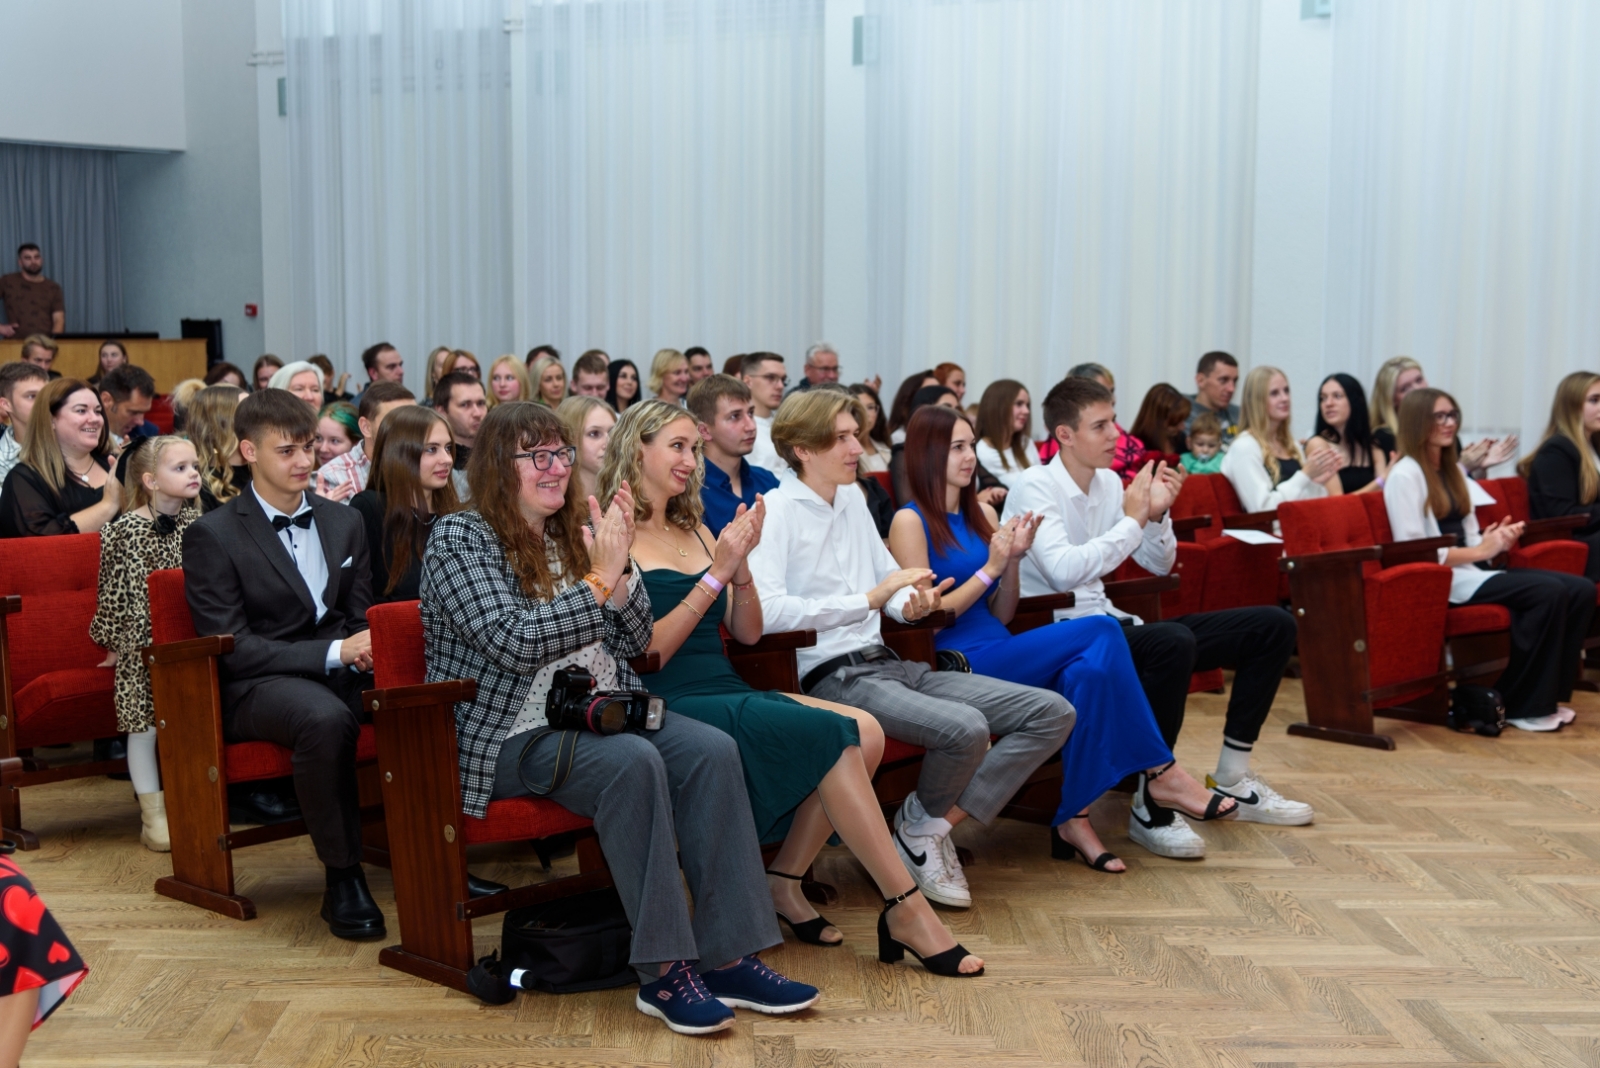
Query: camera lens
x=608 y=715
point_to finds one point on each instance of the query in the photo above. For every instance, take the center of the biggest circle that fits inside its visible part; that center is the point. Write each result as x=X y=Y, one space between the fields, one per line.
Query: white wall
x=844 y=199
x=94 y=73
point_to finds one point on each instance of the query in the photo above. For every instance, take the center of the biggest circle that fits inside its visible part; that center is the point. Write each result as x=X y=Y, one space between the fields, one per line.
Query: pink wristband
x=983 y=576
x=716 y=587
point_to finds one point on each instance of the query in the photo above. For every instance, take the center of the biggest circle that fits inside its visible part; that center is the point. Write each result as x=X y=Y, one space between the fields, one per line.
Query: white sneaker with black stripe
x=1260 y=803
x=1163 y=831
x=931 y=860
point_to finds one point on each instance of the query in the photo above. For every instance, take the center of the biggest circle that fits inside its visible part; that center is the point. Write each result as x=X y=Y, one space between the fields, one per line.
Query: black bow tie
x=281 y=523
x=166 y=524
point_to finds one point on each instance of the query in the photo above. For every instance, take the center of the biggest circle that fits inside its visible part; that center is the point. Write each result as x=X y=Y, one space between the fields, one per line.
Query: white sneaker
x=1175 y=839
x=1260 y=803
x=931 y=860
x=1552 y=722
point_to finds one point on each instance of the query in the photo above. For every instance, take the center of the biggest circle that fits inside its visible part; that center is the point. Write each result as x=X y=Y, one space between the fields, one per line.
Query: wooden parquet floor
x=1445 y=909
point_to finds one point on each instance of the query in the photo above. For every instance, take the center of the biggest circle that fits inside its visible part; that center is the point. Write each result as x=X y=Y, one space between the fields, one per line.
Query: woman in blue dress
x=1085 y=660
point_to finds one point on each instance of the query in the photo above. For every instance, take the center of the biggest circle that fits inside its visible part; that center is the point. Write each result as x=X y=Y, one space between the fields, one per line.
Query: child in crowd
x=162 y=483
x=1205 y=445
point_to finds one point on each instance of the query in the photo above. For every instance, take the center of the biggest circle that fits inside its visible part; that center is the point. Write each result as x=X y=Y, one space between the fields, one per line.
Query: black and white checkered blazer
x=478 y=624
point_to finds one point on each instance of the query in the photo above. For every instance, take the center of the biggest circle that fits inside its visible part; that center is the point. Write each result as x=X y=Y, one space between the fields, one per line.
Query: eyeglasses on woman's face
x=1445 y=418
x=543 y=458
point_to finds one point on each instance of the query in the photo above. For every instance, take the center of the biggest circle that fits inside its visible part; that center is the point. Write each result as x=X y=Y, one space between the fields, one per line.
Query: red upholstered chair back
x=169 y=611
x=1199 y=497
x=1327 y=524
x=397 y=650
x=160 y=413
x=1507 y=494
x=885 y=481
x=1377 y=517
x=1228 y=502
x=58 y=579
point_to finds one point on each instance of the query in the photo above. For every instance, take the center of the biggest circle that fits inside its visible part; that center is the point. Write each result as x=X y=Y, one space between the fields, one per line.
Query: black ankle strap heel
x=807 y=931
x=891 y=949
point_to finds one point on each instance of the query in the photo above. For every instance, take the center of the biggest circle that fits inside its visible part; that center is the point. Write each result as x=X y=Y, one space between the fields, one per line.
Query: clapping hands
x=742 y=534
x=609 y=536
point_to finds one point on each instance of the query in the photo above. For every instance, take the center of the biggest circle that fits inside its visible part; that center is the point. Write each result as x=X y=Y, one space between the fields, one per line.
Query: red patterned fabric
x=66 y=706
x=1476 y=619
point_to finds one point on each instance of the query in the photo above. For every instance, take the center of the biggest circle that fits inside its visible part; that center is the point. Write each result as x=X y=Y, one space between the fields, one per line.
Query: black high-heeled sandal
x=808 y=931
x=891 y=949
x=1061 y=849
x=1213 y=807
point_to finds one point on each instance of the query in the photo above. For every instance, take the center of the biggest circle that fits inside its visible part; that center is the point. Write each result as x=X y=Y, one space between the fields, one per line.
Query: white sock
x=142 y=765
x=1234 y=762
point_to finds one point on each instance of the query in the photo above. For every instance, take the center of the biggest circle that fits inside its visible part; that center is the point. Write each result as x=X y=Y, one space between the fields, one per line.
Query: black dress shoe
x=350 y=911
x=112 y=749
x=261 y=802
x=477 y=887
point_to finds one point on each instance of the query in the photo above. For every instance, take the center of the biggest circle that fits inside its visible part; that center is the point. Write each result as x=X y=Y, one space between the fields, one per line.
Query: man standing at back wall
x=33 y=302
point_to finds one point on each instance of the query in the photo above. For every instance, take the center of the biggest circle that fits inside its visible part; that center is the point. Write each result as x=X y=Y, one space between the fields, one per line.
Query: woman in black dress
x=409 y=488
x=1343 y=419
x=63 y=483
x=1563 y=474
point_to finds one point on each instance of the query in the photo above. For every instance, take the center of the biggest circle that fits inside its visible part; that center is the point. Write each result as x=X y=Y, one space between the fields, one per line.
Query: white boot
x=153 y=813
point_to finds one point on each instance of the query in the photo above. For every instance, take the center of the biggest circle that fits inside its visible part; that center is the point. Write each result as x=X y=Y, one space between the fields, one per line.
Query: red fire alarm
x=250 y=311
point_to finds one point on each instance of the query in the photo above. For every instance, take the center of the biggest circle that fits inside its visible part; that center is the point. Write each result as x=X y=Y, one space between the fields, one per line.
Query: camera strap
x=566 y=748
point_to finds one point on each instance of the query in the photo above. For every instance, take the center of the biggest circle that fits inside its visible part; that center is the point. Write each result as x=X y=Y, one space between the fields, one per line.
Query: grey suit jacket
x=239 y=579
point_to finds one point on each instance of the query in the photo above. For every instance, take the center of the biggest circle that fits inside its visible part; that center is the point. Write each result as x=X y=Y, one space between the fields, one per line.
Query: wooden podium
x=169 y=361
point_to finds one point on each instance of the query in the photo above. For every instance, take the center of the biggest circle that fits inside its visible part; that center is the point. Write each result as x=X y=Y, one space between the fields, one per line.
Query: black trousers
x=1255 y=642
x=319 y=722
x=1550 y=614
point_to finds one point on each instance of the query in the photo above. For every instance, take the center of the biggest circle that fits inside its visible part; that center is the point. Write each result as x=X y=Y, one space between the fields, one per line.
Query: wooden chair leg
x=1329 y=606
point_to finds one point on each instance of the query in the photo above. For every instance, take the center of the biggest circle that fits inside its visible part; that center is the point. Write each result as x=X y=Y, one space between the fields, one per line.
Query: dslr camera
x=575 y=705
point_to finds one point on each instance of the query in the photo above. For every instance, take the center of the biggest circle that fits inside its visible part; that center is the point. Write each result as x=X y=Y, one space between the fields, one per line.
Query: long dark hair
x=1447 y=486
x=408 y=509
x=1163 y=405
x=880 y=427
x=496 y=487
x=1358 y=431
x=900 y=410
x=613 y=371
x=995 y=421
x=927 y=456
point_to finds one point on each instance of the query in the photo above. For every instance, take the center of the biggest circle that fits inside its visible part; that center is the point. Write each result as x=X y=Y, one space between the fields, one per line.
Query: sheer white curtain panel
x=1060 y=181
x=399 y=121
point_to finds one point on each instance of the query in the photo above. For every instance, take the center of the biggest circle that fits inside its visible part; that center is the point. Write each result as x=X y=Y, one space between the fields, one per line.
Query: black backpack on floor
x=569 y=945
x=1479 y=709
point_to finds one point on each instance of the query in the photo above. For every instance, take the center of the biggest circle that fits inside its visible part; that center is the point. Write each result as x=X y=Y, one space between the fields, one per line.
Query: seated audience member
x=821 y=565
x=302 y=378
x=1129 y=456
x=588 y=422
x=460 y=399
x=338 y=434
x=1342 y=420
x=62 y=483
x=266 y=366
x=286 y=573
x=808 y=764
x=1205 y=445
x=624 y=390
x=181 y=397
x=223 y=472
x=731 y=365
x=383 y=363
x=520 y=588
x=40 y=350
x=1005 y=430
x=540 y=351
x=410 y=488
x=591 y=375
x=508 y=381
x=160 y=494
x=334 y=388
x=900 y=408
x=669 y=376
x=947 y=528
x=226 y=374
x=990 y=489
x=1427 y=494
x=764 y=373
x=549 y=382
x=1159 y=425
x=700 y=365
x=111 y=356
x=1088 y=525
x=726 y=415
x=821 y=368
x=875 y=435
x=1400 y=375
x=1265 y=464
x=20 y=383
x=953 y=378
x=126 y=395
x=1563 y=474
x=1216 y=377
x=377 y=401
x=460 y=361
x=434 y=372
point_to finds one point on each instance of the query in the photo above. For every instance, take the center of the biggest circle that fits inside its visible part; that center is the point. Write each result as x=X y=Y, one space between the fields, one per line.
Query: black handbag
x=952 y=660
x=569 y=945
x=1479 y=709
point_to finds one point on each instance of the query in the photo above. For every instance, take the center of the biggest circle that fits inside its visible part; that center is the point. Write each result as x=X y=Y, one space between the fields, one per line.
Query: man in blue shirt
x=726 y=412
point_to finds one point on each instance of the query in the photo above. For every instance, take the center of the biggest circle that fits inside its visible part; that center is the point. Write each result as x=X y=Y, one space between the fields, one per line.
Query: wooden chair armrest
x=779 y=642
x=1141 y=587
x=1556 y=528
x=1189 y=524
x=1250 y=521
x=647 y=664
x=1334 y=559
x=932 y=621
x=1416 y=551
x=1050 y=602
x=448 y=692
x=10 y=603
x=10 y=770
x=193 y=649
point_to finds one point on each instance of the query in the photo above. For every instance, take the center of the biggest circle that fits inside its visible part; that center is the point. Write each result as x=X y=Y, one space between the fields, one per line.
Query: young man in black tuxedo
x=285 y=572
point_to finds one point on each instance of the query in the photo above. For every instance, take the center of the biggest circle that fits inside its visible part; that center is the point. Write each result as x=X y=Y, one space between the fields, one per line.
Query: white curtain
x=1060 y=181
x=399 y=120
x=1464 y=226
x=674 y=174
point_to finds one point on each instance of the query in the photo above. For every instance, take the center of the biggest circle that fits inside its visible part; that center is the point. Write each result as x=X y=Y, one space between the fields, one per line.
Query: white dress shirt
x=1405 y=498
x=1245 y=466
x=305 y=549
x=1083 y=537
x=763 y=454
x=1004 y=465
x=815 y=565
x=10 y=451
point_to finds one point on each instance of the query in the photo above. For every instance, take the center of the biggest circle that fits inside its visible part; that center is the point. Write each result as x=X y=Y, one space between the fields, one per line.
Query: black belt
x=870 y=655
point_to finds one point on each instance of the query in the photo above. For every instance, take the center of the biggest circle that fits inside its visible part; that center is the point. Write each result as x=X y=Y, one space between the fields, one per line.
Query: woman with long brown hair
x=1005 y=430
x=409 y=487
x=1160 y=422
x=63 y=482
x=1563 y=474
x=1428 y=494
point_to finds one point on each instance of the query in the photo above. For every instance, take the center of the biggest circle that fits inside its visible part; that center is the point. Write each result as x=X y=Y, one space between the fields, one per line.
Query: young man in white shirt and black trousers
x=822 y=566
x=1091 y=525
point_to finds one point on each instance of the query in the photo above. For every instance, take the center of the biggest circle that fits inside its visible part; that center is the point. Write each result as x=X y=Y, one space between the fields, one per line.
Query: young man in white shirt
x=821 y=565
x=763 y=372
x=1091 y=525
x=20 y=383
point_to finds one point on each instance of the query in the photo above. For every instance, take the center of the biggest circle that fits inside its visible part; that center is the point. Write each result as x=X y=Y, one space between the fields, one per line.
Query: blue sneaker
x=750 y=984
x=680 y=1000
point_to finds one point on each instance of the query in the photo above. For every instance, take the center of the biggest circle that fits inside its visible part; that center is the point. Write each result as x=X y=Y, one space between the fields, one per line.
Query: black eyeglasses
x=1452 y=416
x=543 y=458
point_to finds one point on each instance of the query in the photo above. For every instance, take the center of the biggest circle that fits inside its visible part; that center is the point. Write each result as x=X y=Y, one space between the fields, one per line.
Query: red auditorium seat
x=52 y=692
x=1236 y=575
x=1545 y=543
x=885 y=481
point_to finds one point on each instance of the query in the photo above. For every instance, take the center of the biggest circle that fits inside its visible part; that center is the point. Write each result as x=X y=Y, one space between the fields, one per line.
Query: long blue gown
x=1085 y=660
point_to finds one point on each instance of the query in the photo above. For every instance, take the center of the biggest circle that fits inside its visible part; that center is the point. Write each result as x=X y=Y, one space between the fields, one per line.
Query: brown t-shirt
x=30 y=304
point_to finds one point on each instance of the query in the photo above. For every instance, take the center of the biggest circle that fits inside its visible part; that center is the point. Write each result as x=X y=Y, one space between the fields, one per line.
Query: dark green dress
x=786 y=747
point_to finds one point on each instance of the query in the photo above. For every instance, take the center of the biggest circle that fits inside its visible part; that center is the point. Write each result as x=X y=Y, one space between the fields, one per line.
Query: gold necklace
x=664 y=541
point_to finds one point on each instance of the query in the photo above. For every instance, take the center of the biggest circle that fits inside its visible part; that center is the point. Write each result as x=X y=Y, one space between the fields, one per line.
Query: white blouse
x=1245 y=466
x=1405 y=497
x=1003 y=465
x=876 y=458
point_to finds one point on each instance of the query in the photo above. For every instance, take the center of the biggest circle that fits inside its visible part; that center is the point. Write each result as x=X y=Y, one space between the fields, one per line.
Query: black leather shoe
x=253 y=803
x=350 y=911
x=483 y=887
x=112 y=749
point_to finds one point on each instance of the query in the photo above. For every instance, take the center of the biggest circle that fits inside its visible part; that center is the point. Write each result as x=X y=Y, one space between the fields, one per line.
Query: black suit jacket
x=240 y=579
x=1553 y=485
